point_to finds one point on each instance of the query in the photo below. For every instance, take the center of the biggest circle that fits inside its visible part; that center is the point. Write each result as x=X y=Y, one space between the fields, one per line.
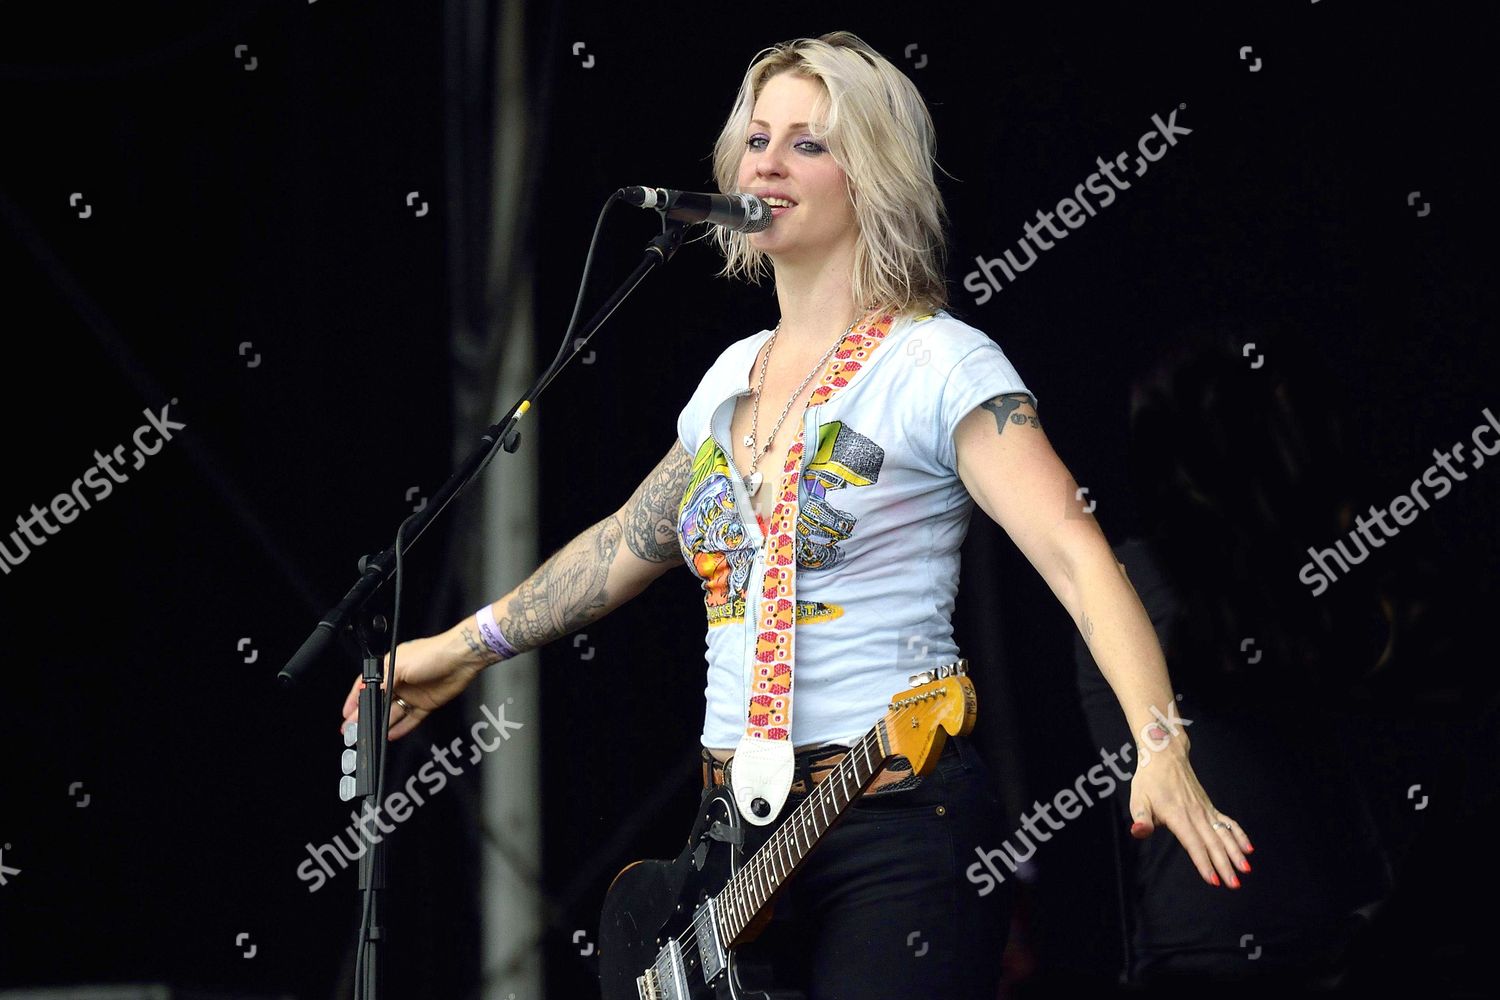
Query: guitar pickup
x=711 y=951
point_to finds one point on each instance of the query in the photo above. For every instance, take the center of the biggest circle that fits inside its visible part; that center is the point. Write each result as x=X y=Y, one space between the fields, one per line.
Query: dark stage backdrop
x=242 y=251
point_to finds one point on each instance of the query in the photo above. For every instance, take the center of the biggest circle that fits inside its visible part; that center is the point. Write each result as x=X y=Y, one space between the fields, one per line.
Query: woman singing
x=819 y=490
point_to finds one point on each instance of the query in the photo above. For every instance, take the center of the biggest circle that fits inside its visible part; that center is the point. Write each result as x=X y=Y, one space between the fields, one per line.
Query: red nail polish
x=1250 y=849
x=1214 y=878
x=1234 y=883
x=1244 y=866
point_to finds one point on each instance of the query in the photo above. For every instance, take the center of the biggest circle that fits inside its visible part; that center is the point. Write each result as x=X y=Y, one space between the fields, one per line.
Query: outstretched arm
x=599 y=570
x=1008 y=466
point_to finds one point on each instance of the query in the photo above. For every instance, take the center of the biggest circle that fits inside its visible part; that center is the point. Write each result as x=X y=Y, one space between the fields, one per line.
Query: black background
x=268 y=206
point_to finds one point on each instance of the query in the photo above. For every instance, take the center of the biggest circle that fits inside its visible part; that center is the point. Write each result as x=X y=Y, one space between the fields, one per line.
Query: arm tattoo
x=1005 y=409
x=566 y=593
x=1088 y=628
x=651 y=514
x=479 y=649
x=1156 y=736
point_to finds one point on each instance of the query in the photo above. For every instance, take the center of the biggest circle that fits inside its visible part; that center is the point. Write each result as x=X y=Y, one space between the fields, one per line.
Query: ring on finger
x=404 y=706
x=1212 y=826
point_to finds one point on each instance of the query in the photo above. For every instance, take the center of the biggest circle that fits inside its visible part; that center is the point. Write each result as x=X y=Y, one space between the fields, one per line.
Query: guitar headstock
x=940 y=703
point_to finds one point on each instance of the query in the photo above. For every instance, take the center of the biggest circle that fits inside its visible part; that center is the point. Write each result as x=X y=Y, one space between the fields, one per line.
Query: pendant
x=752 y=482
x=750 y=441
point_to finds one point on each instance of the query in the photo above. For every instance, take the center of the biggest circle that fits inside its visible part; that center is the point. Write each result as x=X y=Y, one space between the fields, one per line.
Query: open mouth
x=779 y=206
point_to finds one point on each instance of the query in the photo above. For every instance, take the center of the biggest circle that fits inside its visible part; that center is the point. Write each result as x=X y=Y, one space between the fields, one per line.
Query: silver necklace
x=753 y=481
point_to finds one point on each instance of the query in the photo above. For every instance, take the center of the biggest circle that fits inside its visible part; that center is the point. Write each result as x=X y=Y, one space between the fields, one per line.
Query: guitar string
x=762 y=860
x=736 y=898
x=731 y=888
x=757 y=865
x=759 y=869
x=741 y=894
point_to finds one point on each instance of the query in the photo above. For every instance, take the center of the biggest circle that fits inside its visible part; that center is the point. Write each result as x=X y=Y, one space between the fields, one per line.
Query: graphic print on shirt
x=844 y=458
x=717 y=547
x=712 y=536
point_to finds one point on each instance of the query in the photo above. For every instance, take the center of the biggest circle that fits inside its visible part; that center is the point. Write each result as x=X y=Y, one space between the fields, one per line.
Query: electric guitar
x=673 y=930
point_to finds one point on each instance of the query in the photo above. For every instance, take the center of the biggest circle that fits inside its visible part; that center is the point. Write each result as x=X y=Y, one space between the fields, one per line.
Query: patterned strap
x=769 y=713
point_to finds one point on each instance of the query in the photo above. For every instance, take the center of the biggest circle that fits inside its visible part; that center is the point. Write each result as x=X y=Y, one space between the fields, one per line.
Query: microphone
x=744 y=213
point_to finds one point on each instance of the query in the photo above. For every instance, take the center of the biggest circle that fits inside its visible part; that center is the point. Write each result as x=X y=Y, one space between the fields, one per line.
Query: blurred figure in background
x=1237 y=471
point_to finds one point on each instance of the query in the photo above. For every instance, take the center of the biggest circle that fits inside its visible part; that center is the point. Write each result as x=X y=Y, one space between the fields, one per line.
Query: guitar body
x=651 y=902
x=686 y=929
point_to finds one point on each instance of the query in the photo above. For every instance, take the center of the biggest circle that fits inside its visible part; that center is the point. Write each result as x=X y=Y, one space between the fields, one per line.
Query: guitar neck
x=749 y=890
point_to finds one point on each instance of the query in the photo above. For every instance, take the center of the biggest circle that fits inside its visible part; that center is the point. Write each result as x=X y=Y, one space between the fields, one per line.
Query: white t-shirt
x=878 y=570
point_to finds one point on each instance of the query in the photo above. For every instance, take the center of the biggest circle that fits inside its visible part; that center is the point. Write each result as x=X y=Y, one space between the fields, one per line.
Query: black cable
x=386 y=691
x=562 y=356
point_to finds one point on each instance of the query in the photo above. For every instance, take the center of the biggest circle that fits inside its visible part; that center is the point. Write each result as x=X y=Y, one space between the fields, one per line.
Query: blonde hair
x=876 y=126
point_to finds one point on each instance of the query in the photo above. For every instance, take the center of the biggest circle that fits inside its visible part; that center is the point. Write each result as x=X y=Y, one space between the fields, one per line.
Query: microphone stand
x=352 y=619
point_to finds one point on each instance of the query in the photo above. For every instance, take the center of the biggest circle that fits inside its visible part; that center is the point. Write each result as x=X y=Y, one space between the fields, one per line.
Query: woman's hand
x=1165 y=790
x=430 y=672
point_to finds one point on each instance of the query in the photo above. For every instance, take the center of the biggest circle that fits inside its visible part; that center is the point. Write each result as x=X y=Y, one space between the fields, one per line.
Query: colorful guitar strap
x=763 y=762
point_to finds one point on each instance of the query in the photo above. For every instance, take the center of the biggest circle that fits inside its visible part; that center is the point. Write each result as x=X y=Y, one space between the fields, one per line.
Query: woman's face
x=781 y=158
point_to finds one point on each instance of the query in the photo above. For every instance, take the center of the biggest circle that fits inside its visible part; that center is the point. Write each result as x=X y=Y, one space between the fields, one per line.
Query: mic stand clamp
x=669 y=239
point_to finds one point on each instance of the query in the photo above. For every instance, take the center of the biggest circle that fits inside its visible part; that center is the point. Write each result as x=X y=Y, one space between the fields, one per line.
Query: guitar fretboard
x=751 y=888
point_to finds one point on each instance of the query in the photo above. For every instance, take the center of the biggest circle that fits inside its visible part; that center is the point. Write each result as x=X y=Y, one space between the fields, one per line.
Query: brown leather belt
x=811 y=766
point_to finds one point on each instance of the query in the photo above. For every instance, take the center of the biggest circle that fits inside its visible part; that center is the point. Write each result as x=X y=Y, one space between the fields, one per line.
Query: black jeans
x=883 y=908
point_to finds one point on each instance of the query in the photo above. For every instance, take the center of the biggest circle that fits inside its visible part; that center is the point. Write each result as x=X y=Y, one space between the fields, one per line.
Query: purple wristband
x=489 y=632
